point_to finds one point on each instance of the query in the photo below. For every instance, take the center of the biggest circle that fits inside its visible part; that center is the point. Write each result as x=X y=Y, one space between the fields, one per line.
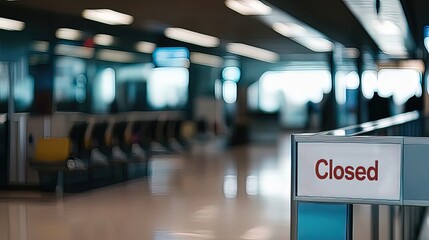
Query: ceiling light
x=69 y=34
x=74 y=51
x=289 y=29
x=206 y=59
x=317 y=44
x=288 y=26
x=107 y=16
x=115 y=56
x=145 y=47
x=103 y=39
x=187 y=36
x=388 y=26
x=11 y=25
x=252 y=52
x=248 y=7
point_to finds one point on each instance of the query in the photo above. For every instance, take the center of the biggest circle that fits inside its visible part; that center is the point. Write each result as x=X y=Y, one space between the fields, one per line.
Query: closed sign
x=349 y=171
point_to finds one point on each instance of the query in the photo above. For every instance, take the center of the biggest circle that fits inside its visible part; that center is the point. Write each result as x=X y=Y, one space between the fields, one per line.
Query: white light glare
x=352 y=80
x=145 y=47
x=69 y=34
x=248 y=7
x=369 y=84
x=339 y=132
x=317 y=44
x=343 y=82
x=206 y=59
x=107 y=16
x=231 y=74
x=229 y=91
x=230 y=186
x=252 y=52
x=107 y=81
x=387 y=27
x=289 y=29
x=103 y=39
x=298 y=87
x=402 y=84
x=11 y=25
x=188 y=36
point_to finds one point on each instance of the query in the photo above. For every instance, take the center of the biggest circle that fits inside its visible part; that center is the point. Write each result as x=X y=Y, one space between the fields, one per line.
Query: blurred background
x=241 y=70
x=145 y=77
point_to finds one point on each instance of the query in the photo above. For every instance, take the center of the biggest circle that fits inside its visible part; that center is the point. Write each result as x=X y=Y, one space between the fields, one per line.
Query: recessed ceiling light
x=145 y=47
x=388 y=27
x=103 y=39
x=11 y=25
x=317 y=44
x=107 y=16
x=188 y=36
x=252 y=52
x=206 y=59
x=248 y=7
x=289 y=29
x=69 y=34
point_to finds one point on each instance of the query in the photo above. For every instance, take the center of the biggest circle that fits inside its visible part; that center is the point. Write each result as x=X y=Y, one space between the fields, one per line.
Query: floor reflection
x=241 y=193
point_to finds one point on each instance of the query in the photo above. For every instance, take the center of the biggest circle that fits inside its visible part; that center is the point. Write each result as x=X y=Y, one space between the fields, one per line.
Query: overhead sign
x=171 y=57
x=344 y=171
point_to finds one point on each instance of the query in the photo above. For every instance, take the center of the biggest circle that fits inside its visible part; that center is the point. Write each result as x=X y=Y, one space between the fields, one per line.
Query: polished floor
x=239 y=193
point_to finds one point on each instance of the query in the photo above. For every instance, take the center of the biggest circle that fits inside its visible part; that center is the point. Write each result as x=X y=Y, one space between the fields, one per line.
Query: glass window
x=297 y=87
x=103 y=91
x=168 y=88
x=401 y=84
x=70 y=83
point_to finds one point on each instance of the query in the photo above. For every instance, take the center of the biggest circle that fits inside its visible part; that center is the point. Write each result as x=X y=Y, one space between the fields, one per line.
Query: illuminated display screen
x=171 y=57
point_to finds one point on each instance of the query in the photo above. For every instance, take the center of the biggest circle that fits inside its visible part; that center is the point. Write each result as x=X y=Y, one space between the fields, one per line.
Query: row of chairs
x=101 y=153
x=103 y=143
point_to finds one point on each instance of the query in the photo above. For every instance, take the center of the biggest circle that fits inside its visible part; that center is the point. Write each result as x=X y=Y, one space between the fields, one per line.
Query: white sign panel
x=349 y=170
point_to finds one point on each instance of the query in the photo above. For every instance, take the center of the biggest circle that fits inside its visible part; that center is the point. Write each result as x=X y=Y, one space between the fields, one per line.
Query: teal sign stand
x=323 y=221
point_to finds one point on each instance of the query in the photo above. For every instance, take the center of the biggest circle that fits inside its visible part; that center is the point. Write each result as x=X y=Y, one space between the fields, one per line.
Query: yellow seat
x=52 y=150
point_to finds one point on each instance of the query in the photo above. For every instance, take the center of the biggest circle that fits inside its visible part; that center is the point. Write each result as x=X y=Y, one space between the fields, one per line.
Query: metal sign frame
x=343 y=139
